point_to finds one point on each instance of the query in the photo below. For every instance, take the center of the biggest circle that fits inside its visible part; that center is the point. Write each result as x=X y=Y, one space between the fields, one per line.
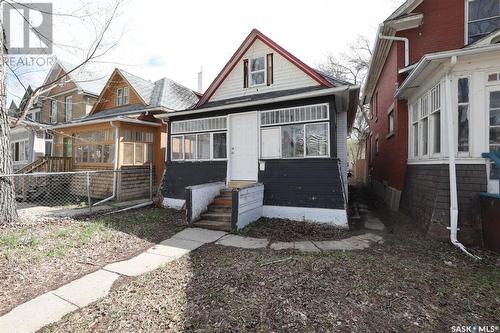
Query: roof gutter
x=100 y=121
x=400 y=39
x=316 y=93
x=422 y=64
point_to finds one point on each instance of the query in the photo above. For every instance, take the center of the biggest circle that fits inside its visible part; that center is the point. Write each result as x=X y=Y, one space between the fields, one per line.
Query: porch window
x=483 y=18
x=199 y=147
x=425 y=134
x=94 y=147
x=137 y=147
x=257 y=71
x=68 y=108
x=463 y=115
x=53 y=112
x=199 y=125
x=300 y=135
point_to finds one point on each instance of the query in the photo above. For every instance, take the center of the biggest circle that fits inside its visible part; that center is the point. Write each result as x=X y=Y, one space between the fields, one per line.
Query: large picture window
x=483 y=18
x=199 y=147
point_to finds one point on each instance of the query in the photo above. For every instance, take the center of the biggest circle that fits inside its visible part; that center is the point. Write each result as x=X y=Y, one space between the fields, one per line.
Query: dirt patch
x=39 y=257
x=289 y=231
x=409 y=283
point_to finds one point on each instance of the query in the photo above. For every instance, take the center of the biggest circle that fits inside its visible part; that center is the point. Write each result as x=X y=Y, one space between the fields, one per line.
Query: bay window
x=483 y=17
x=302 y=132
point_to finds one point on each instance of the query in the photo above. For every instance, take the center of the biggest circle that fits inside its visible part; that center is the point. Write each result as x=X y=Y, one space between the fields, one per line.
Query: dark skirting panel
x=310 y=183
x=179 y=175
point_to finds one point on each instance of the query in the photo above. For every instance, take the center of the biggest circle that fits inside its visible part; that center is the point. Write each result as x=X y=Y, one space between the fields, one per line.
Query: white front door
x=243 y=147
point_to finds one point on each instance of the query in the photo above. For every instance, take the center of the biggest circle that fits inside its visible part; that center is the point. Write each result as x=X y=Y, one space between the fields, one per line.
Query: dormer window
x=483 y=18
x=257 y=71
x=122 y=96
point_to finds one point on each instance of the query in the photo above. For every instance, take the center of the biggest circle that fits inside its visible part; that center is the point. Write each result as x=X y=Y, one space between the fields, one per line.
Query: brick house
x=433 y=88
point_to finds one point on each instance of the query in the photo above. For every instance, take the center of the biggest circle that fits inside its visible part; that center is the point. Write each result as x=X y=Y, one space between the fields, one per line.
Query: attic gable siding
x=107 y=98
x=285 y=75
x=68 y=85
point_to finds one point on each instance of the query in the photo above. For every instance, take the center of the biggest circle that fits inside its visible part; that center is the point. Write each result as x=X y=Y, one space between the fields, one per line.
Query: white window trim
x=297 y=122
x=390 y=132
x=430 y=133
x=201 y=131
x=53 y=112
x=66 y=108
x=125 y=100
x=25 y=142
x=119 y=97
x=250 y=85
x=463 y=153
x=196 y=159
x=304 y=124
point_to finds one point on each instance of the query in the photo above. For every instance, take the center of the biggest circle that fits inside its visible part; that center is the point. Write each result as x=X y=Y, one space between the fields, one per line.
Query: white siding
x=286 y=75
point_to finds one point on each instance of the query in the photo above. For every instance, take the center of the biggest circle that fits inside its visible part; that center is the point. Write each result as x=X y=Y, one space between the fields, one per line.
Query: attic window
x=257 y=71
x=122 y=96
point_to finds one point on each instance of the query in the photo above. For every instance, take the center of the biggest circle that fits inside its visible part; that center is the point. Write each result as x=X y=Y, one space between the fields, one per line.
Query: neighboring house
x=120 y=132
x=271 y=129
x=434 y=92
x=27 y=139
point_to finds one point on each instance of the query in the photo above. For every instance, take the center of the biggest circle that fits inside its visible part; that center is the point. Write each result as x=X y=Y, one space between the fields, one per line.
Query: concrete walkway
x=53 y=305
x=353 y=243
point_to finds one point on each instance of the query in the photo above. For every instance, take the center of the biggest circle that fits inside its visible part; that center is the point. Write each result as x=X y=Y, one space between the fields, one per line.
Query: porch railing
x=48 y=164
x=495 y=157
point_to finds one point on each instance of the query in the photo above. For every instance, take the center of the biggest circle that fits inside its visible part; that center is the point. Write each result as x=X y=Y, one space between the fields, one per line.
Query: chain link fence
x=67 y=194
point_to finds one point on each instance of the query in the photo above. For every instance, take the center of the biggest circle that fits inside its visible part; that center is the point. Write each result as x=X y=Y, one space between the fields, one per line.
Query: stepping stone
x=374 y=223
x=340 y=245
x=243 y=242
x=174 y=247
x=304 y=246
x=200 y=235
x=141 y=264
x=35 y=314
x=87 y=289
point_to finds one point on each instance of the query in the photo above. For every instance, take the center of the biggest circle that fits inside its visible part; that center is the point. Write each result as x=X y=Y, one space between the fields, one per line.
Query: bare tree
x=97 y=49
x=352 y=66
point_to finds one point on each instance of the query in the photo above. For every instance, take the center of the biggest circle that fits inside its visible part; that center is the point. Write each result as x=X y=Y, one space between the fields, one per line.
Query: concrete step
x=213 y=225
x=227 y=194
x=224 y=217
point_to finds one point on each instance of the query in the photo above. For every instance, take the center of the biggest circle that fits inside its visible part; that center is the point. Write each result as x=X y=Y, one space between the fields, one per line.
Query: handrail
x=495 y=157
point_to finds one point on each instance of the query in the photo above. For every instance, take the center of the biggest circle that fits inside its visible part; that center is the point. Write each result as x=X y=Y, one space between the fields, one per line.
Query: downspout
x=452 y=164
x=400 y=39
x=115 y=166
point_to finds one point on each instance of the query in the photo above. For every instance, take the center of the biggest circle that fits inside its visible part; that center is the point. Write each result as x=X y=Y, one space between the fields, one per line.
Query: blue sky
x=176 y=38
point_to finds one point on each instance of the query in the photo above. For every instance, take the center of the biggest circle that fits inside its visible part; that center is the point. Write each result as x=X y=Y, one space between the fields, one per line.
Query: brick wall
x=426 y=197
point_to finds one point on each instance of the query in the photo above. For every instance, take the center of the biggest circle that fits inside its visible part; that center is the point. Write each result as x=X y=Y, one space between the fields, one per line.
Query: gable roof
x=87 y=81
x=164 y=93
x=236 y=57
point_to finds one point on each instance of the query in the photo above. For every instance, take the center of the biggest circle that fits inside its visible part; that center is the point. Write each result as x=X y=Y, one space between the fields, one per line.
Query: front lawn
x=39 y=257
x=408 y=283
